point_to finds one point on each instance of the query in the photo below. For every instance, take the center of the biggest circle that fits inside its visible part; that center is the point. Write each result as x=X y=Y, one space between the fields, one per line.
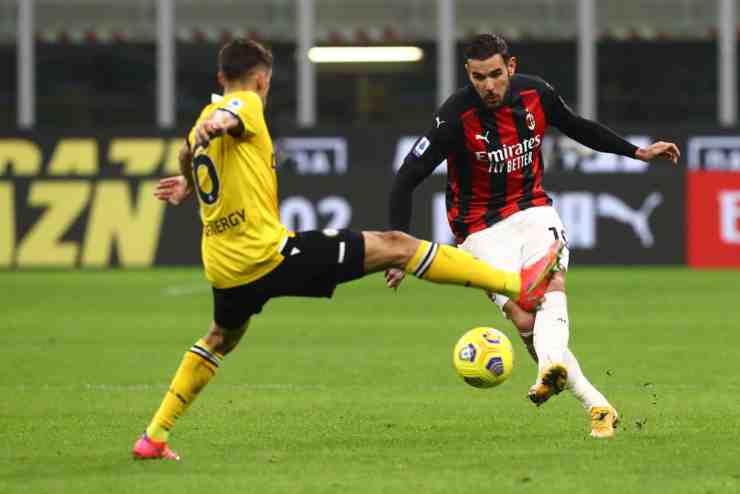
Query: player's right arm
x=426 y=154
x=219 y=122
x=238 y=115
x=178 y=188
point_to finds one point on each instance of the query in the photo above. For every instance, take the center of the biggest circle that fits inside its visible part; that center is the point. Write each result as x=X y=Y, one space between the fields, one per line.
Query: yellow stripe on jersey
x=237 y=191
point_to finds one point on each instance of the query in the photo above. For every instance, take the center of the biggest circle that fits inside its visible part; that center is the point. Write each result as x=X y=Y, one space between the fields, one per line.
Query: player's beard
x=495 y=104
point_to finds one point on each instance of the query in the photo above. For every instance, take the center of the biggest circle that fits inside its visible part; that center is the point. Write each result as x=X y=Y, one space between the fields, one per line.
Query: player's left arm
x=179 y=187
x=598 y=136
x=185 y=160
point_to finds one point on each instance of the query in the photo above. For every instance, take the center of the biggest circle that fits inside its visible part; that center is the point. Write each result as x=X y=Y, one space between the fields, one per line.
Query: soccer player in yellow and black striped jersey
x=250 y=257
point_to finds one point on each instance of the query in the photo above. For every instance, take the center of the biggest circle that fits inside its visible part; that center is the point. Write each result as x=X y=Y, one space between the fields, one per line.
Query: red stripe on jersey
x=515 y=179
x=533 y=105
x=480 y=185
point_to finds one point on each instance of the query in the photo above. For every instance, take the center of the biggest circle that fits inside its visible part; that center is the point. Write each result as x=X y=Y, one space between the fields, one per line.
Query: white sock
x=551 y=330
x=581 y=388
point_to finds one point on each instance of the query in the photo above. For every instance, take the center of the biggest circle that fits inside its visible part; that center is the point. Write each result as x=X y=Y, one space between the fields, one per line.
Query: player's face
x=491 y=78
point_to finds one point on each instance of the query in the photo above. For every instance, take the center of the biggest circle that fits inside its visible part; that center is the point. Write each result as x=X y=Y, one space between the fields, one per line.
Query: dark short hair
x=238 y=58
x=484 y=46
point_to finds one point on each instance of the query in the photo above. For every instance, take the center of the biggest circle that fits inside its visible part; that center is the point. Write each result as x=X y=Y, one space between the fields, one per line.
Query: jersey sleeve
x=428 y=152
x=247 y=107
x=556 y=109
x=432 y=148
x=588 y=132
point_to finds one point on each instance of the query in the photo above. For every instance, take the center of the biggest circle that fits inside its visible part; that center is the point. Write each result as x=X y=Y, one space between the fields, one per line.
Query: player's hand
x=660 y=149
x=394 y=277
x=207 y=130
x=173 y=190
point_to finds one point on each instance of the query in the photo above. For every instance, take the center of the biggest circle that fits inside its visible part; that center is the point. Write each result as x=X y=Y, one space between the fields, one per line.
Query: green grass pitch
x=357 y=394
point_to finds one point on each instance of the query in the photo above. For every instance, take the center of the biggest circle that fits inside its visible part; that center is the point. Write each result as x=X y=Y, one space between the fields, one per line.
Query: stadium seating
x=361 y=21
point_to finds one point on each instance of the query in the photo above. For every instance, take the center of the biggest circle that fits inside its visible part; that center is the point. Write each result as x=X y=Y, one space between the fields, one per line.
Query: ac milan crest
x=531 y=123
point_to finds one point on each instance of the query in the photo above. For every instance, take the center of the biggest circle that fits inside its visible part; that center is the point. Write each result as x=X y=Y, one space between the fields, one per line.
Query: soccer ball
x=483 y=357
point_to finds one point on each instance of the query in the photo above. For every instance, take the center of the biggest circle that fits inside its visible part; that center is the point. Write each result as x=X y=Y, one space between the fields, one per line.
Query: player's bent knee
x=223 y=340
x=389 y=249
x=401 y=247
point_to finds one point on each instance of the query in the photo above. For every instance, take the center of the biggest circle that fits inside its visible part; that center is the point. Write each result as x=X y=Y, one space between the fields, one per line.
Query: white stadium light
x=357 y=54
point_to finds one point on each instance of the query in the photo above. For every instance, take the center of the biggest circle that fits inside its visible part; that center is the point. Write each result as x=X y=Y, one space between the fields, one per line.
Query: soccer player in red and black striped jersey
x=491 y=132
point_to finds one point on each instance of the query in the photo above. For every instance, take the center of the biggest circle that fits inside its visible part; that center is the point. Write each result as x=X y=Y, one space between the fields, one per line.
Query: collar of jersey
x=216 y=98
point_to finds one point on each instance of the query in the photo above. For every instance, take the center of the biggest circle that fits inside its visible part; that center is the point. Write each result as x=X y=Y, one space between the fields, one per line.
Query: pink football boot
x=147 y=449
x=536 y=276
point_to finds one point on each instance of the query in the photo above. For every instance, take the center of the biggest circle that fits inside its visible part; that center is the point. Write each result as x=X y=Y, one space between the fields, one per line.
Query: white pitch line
x=180 y=290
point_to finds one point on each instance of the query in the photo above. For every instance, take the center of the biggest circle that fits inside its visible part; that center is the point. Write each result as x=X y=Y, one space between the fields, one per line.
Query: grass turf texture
x=358 y=394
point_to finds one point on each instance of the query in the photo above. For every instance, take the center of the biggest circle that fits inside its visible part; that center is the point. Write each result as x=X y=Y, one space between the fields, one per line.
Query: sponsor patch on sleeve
x=421 y=147
x=234 y=105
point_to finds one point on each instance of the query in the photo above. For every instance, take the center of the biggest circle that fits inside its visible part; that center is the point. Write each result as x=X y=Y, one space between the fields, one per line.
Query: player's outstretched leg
x=198 y=366
x=604 y=417
x=445 y=264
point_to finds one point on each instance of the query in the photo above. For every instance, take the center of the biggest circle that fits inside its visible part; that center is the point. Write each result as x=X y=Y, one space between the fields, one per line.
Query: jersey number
x=212 y=196
x=562 y=234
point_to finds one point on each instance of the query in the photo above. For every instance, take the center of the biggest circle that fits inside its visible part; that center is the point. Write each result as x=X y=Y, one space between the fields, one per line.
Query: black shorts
x=315 y=263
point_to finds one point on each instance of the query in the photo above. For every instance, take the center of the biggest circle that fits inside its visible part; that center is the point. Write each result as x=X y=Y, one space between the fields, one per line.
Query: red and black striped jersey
x=494 y=157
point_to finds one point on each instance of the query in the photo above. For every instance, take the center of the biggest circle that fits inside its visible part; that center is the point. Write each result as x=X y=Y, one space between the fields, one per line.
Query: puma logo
x=613 y=207
x=483 y=137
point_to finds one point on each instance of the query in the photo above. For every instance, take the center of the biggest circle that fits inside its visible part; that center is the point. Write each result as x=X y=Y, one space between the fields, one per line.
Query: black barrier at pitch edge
x=87 y=201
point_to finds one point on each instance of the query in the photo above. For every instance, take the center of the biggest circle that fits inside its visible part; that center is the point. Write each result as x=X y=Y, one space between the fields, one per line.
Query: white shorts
x=518 y=240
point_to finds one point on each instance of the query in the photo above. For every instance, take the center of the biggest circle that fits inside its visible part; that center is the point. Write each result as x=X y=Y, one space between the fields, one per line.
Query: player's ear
x=511 y=66
x=221 y=78
x=260 y=80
